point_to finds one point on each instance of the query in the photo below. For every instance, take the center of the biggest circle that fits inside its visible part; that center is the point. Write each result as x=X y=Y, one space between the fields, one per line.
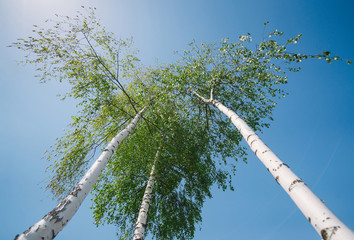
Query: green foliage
x=248 y=81
x=72 y=153
x=80 y=52
x=184 y=175
x=195 y=141
x=101 y=71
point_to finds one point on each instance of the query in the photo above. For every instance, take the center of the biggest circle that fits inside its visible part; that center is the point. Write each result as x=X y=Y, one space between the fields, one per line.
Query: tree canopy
x=197 y=145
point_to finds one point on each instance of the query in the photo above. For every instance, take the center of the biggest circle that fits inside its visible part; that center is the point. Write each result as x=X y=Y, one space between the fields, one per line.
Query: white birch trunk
x=52 y=223
x=140 y=225
x=322 y=219
x=328 y=226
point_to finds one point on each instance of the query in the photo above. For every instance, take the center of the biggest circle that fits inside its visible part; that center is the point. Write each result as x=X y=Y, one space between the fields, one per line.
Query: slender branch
x=212 y=94
x=206 y=101
x=121 y=109
x=118 y=64
x=207 y=116
x=100 y=61
x=139 y=190
x=114 y=77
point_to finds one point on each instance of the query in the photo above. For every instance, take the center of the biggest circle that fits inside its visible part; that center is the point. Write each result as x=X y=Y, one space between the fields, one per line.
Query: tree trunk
x=322 y=219
x=140 y=225
x=52 y=223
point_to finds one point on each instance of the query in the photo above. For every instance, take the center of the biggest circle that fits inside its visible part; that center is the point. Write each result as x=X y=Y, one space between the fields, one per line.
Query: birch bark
x=140 y=225
x=328 y=226
x=52 y=223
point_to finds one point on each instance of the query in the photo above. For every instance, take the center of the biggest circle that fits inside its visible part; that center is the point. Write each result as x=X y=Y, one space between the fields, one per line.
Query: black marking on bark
x=291 y=187
x=27 y=231
x=286 y=165
x=309 y=219
x=53 y=234
x=43 y=238
x=277 y=179
x=324 y=234
x=53 y=215
x=16 y=237
x=282 y=164
x=255 y=152
x=250 y=136
x=139 y=238
x=253 y=142
x=268 y=169
x=75 y=191
x=327 y=233
x=105 y=150
x=264 y=151
x=112 y=151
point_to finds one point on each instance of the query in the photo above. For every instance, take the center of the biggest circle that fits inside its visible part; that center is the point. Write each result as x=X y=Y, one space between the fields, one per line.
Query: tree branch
x=206 y=101
x=114 y=77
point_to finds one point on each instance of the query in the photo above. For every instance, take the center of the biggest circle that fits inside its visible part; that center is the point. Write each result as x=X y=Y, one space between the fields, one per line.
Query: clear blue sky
x=312 y=132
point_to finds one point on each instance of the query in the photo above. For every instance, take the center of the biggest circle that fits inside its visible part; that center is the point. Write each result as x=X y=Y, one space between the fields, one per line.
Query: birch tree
x=183 y=175
x=141 y=222
x=249 y=83
x=81 y=53
x=54 y=221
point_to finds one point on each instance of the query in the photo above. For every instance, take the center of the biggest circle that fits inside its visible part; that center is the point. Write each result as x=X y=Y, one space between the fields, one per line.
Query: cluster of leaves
x=82 y=53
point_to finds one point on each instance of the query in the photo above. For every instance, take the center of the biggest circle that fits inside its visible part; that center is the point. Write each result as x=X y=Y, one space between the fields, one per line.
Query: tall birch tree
x=183 y=175
x=98 y=68
x=141 y=222
x=249 y=82
x=54 y=221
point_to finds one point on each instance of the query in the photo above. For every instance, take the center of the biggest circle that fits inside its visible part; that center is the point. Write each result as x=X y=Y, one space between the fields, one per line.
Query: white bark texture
x=328 y=226
x=52 y=223
x=140 y=225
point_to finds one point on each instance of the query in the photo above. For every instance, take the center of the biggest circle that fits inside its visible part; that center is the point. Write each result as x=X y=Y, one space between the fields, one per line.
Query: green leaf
x=326 y=53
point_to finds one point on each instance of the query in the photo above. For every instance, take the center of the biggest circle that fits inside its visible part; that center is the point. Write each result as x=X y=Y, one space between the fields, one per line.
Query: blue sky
x=312 y=132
